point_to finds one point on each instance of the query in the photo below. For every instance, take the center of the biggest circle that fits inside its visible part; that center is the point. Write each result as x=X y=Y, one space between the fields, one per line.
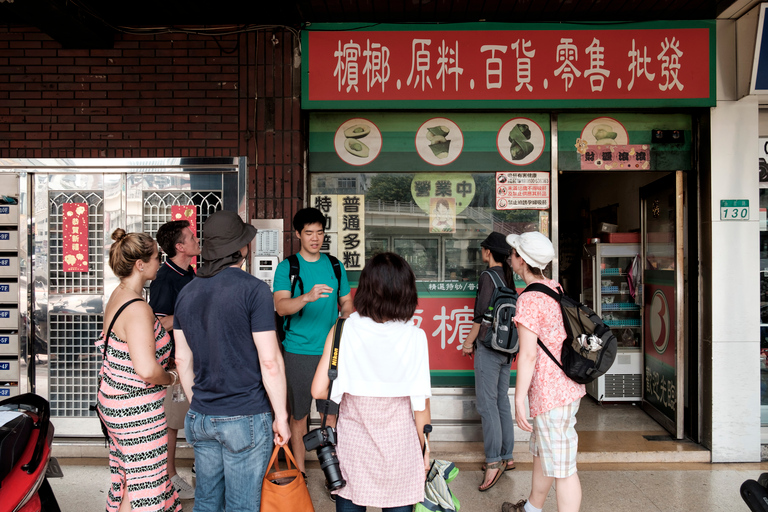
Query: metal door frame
x=121 y=183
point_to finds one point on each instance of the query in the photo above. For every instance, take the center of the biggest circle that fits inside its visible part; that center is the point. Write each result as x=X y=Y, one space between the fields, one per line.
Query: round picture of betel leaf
x=520 y=141
x=439 y=141
x=357 y=141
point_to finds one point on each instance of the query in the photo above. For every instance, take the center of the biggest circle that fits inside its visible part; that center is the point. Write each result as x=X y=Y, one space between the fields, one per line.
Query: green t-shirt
x=308 y=331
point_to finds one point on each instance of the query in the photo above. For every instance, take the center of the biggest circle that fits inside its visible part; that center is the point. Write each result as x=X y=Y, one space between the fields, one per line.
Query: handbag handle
x=112 y=324
x=275 y=461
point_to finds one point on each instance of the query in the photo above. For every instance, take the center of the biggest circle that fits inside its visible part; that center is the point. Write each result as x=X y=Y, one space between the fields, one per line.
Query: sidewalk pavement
x=607 y=487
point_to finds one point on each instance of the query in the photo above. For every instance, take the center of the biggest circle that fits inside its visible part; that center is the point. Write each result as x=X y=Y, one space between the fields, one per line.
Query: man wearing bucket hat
x=231 y=368
x=553 y=397
x=492 y=367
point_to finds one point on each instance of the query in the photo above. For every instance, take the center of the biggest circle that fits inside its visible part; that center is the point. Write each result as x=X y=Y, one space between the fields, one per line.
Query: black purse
x=95 y=407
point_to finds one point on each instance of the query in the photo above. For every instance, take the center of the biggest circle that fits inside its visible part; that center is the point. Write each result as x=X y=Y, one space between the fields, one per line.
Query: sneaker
x=514 y=507
x=183 y=489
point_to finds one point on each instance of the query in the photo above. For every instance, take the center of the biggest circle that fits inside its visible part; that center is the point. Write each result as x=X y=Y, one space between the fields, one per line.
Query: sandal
x=501 y=466
x=510 y=465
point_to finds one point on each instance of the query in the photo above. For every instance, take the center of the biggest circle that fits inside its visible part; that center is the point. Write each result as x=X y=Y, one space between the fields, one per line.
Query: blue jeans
x=231 y=457
x=491 y=390
x=344 y=505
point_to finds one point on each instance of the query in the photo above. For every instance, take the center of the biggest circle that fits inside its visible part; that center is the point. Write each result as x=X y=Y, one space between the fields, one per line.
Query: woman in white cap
x=553 y=397
x=492 y=367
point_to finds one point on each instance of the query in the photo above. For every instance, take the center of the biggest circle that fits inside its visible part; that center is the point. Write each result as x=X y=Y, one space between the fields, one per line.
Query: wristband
x=175 y=378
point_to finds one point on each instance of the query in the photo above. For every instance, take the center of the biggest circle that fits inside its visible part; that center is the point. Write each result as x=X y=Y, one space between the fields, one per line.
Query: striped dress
x=133 y=411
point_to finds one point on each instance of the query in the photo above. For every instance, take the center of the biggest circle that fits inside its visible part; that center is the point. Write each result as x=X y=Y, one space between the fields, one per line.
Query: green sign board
x=734 y=209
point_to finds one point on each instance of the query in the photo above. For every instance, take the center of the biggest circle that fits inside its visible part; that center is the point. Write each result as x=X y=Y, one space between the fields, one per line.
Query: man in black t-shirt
x=180 y=246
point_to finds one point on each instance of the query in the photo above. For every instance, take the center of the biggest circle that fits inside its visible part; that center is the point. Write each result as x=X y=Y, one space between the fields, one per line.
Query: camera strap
x=333 y=364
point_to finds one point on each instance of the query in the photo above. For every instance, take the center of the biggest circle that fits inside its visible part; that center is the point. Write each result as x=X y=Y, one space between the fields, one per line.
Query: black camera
x=324 y=441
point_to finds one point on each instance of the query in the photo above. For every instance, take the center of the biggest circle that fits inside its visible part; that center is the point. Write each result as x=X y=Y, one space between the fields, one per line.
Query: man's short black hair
x=307 y=216
x=169 y=234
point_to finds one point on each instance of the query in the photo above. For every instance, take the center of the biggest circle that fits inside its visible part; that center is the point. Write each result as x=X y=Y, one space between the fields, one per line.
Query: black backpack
x=293 y=275
x=501 y=333
x=589 y=348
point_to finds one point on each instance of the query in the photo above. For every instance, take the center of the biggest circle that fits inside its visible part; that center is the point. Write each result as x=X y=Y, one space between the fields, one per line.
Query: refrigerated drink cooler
x=605 y=289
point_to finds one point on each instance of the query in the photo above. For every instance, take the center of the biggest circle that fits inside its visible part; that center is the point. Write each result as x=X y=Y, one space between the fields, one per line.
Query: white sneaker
x=183 y=489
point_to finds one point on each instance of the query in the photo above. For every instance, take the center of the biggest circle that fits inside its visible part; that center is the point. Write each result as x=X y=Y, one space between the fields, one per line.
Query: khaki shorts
x=175 y=412
x=555 y=441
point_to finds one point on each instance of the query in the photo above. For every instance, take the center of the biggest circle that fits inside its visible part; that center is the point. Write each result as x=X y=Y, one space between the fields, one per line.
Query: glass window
x=435 y=221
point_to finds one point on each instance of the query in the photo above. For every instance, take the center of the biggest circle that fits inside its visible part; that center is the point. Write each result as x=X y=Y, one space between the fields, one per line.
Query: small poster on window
x=351 y=239
x=327 y=204
x=522 y=190
x=442 y=215
x=75 y=237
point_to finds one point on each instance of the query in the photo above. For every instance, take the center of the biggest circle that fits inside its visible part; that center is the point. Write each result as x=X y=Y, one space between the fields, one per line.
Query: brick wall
x=170 y=95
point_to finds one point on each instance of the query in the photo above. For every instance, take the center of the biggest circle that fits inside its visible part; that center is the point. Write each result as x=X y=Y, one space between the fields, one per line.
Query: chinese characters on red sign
x=605 y=158
x=186 y=212
x=75 y=237
x=509 y=64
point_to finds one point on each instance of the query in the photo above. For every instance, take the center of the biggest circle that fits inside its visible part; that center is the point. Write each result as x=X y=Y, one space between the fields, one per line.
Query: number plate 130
x=734 y=209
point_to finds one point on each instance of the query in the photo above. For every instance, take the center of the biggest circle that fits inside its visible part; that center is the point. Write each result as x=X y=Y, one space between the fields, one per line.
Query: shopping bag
x=437 y=496
x=284 y=490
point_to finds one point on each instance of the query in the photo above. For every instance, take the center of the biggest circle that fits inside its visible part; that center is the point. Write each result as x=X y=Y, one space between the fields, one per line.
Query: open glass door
x=661 y=204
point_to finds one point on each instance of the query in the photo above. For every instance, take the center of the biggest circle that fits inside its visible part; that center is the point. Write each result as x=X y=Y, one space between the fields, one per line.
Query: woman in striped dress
x=133 y=380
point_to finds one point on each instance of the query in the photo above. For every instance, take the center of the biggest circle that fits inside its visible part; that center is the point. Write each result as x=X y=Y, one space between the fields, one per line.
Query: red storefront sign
x=75 y=237
x=658 y=66
x=186 y=212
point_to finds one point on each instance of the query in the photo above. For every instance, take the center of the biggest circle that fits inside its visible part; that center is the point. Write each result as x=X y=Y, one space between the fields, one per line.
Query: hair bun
x=118 y=234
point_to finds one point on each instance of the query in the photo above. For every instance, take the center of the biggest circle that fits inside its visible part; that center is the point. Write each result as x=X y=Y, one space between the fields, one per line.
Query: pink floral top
x=550 y=388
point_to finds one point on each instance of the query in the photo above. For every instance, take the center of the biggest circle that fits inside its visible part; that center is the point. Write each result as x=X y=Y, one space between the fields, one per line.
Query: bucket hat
x=496 y=242
x=535 y=249
x=225 y=234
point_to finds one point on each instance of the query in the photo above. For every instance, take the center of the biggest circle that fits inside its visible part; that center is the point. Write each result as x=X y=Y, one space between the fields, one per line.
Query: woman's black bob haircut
x=387 y=289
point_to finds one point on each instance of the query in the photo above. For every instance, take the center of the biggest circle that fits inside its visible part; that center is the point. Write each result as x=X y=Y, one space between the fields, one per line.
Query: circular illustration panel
x=358 y=141
x=439 y=141
x=605 y=131
x=520 y=141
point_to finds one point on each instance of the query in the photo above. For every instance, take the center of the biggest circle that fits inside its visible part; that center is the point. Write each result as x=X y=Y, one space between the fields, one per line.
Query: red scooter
x=26 y=434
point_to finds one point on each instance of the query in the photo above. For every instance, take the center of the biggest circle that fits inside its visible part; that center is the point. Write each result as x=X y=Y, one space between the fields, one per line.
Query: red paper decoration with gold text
x=75 y=237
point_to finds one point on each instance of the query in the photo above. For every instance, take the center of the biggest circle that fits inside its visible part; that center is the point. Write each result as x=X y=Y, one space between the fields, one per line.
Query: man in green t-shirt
x=312 y=313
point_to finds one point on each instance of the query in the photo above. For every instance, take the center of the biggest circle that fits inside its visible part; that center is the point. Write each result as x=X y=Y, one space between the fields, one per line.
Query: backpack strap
x=546 y=290
x=497 y=282
x=293 y=276
x=337 y=272
x=112 y=324
x=540 y=287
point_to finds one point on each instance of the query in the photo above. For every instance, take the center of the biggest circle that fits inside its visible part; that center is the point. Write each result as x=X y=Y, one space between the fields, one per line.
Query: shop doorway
x=603 y=224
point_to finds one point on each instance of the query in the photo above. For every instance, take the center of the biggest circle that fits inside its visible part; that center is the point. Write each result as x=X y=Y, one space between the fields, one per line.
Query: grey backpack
x=501 y=333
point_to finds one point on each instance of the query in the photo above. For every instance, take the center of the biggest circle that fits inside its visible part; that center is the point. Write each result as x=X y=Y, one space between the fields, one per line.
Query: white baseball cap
x=535 y=249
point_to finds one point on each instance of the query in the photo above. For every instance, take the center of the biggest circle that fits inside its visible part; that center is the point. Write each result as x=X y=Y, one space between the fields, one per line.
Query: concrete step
x=594 y=447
